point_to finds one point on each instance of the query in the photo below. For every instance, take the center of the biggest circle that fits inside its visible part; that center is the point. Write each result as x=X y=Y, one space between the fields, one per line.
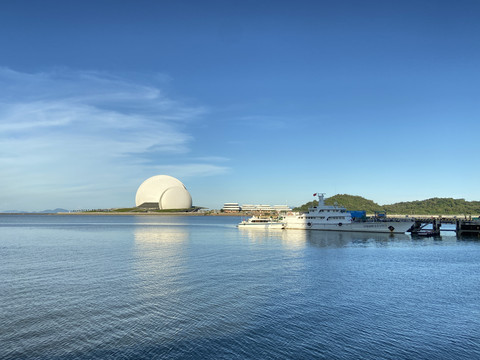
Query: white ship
x=261 y=223
x=337 y=218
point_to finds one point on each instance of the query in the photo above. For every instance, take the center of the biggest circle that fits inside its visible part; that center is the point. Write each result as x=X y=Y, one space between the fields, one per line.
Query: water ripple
x=180 y=288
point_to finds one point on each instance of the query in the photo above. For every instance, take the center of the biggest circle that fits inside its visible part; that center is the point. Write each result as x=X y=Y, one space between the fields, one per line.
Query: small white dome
x=165 y=190
x=175 y=197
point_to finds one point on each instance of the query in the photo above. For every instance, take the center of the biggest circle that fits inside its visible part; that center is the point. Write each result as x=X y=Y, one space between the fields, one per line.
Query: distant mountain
x=54 y=211
x=57 y=210
x=433 y=206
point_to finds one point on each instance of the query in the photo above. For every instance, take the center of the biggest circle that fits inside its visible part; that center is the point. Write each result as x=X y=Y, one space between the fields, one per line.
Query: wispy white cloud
x=63 y=131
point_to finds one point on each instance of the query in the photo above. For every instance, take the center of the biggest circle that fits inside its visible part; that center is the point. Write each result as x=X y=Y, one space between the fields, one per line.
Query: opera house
x=162 y=192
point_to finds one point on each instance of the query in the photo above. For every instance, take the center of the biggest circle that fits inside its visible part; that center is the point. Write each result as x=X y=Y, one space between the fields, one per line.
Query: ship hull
x=391 y=227
x=261 y=226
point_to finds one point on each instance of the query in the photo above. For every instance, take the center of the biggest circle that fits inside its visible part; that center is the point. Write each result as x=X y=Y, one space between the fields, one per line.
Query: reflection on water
x=336 y=239
x=298 y=239
x=159 y=257
x=121 y=287
x=290 y=240
x=199 y=287
x=154 y=236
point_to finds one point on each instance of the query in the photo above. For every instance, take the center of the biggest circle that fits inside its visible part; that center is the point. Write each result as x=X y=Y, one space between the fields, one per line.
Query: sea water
x=168 y=287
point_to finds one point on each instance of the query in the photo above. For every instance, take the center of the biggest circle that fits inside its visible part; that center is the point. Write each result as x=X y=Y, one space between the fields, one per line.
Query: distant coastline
x=433 y=207
x=108 y=213
x=238 y=214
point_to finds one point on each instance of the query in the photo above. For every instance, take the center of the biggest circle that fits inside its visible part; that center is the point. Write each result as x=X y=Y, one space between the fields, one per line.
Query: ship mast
x=321 y=198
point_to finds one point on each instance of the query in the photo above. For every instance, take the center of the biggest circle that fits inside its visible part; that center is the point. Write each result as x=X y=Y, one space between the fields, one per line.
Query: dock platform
x=462 y=226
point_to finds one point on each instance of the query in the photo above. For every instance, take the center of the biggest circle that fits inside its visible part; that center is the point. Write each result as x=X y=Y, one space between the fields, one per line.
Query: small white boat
x=261 y=223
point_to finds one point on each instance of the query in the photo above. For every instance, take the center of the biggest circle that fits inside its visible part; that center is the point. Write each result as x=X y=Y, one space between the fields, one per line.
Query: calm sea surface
x=133 y=287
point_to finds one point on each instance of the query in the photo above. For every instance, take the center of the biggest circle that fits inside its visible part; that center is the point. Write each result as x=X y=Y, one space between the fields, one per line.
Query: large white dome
x=166 y=191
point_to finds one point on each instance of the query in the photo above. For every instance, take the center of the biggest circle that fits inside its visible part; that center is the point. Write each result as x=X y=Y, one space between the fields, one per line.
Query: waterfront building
x=265 y=208
x=282 y=208
x=231 y=207
x=248 y=207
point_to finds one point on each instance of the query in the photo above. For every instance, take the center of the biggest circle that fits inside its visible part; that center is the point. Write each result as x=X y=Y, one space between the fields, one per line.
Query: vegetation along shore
x=433 y=206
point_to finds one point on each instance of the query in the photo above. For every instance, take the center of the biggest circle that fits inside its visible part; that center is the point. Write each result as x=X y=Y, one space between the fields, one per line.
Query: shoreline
x=110 y=213
x=238 y=214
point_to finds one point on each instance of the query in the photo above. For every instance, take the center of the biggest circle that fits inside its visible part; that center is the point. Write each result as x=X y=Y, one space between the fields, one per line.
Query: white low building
x=280 y=208
x=231 y=207
x=265 y=208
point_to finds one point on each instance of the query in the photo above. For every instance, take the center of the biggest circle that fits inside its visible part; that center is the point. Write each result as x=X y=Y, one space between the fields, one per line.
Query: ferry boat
x=261 y=223
x=337 y=218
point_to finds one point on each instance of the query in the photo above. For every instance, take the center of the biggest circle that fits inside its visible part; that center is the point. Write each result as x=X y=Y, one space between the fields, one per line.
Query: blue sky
x=243 y=101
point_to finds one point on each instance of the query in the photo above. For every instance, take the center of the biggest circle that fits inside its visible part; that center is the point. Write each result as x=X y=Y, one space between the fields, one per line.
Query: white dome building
x=163 y=192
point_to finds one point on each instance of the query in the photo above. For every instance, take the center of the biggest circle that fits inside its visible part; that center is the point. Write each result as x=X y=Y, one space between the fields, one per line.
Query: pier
x=468 y=227
x=462 y=226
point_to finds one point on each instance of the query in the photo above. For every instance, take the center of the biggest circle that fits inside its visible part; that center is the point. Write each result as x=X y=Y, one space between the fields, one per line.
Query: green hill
x=350 y=202
x=434 y=206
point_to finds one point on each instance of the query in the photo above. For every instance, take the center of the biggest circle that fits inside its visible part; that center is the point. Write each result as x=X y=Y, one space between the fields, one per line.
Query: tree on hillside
x=350 y=202
x=433 y=206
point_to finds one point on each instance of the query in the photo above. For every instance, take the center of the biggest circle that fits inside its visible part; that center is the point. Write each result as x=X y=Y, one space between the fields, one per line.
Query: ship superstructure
x=337 y=218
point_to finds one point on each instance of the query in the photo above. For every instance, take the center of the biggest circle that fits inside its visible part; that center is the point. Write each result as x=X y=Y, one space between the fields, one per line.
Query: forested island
x=433 y=206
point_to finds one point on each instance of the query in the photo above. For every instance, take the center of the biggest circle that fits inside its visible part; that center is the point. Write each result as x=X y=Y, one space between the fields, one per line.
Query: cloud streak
x=67 y=130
